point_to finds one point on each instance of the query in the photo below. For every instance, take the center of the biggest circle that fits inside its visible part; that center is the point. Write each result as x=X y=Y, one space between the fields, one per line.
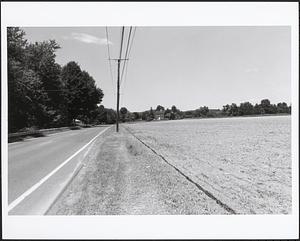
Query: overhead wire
x=129 y=51
x=126 y=53
x=120 y=56
x=122 y=38
x=109 y=59
x=126 y=67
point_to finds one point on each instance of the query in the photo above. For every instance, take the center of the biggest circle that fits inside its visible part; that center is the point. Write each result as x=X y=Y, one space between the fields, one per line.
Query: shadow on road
x=22 y=138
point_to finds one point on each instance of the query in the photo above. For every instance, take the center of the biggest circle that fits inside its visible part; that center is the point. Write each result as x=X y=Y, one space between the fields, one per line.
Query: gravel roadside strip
x=122 y=177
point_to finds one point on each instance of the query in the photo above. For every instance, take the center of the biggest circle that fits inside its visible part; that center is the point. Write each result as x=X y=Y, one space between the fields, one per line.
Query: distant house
x=159 y=115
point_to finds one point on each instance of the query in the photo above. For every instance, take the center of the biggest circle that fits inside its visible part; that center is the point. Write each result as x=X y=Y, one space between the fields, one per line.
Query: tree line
x=243 y=109
x=43 y=94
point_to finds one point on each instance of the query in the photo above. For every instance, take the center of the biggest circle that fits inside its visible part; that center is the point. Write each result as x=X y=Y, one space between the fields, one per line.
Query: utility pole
x=118 y=92
x=118 y=79
x=118 y=95
x=118 y=82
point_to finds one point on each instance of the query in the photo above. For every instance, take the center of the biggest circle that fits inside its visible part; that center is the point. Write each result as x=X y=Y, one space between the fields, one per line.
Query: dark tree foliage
x=145 y=115
x=123 y=114
x=151 y=115
x=81 y=93
x=160 y=108
x=136 y=116
x=26 y=97
x=105 y=115
x=203 y=110
x=40 y=92
x=172 y=116
x=246 y=108
x=174 y=109
x=282 y=108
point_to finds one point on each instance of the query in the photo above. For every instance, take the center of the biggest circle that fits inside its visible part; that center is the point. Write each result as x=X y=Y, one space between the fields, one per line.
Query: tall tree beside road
x=40 y=92
x=41 y=59
x=81 y=92
x=71 y=79
x=25 y=90
x=91 y=96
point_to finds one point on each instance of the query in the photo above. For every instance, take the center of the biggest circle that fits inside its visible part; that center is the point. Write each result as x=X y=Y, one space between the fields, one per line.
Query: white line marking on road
x=37 y=185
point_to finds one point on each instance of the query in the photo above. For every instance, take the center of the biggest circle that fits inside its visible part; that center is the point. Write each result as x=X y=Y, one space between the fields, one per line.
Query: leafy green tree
x=151 y=115
x=41 y=93
x=172 y=116
x=25 y=91
x=71 y=76
x=41 y=59
x=226 y=110
x=82 y=95
x=167 y=113
x=16 y=45
x=123 y=112
x=203 y=110
x=136 y=116
x=246 y=108
x=258 y=109
x=234 y=110
x=282 y=108
x=111 y=116
x=145 y=115
x=91 y=95
x=189 y=114
x=267 y=107
x=160 y=108
x=174 y=109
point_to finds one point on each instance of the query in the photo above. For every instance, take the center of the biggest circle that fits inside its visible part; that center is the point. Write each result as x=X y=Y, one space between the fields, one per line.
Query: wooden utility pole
x=118 y=82
x=118 y=92
x=118 y=95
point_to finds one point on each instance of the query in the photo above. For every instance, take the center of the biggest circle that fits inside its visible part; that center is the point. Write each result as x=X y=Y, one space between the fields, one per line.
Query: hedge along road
x=38 y=169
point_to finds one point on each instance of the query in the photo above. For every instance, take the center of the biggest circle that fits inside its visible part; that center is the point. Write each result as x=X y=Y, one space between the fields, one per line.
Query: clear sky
x=183 y=66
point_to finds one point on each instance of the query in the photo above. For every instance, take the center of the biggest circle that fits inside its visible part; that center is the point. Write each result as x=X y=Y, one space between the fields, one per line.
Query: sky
x=187 y=67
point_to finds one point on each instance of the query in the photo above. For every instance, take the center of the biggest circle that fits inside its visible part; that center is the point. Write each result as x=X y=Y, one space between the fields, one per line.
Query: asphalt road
x=30 y=161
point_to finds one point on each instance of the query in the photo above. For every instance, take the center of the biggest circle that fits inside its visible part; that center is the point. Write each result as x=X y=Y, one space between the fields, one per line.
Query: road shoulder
x=123 y=177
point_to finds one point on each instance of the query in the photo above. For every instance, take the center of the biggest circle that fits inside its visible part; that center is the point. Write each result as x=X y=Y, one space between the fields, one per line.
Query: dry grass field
x=245 y=162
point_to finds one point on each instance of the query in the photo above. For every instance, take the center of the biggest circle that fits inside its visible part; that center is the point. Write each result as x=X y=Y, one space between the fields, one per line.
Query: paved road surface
x=31 y=160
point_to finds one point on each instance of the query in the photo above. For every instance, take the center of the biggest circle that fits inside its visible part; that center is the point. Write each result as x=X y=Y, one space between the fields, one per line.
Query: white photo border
x=68 y=14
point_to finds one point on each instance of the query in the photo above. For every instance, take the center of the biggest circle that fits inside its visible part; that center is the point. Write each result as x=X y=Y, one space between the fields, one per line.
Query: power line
x=126 y=53
x=132 y=40
x=122 y=38
x=126 y=68
x=109 y=58
x=129 y=55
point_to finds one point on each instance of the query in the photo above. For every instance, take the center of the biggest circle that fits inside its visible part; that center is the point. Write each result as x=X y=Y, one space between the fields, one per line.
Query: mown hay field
x=245 y=162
